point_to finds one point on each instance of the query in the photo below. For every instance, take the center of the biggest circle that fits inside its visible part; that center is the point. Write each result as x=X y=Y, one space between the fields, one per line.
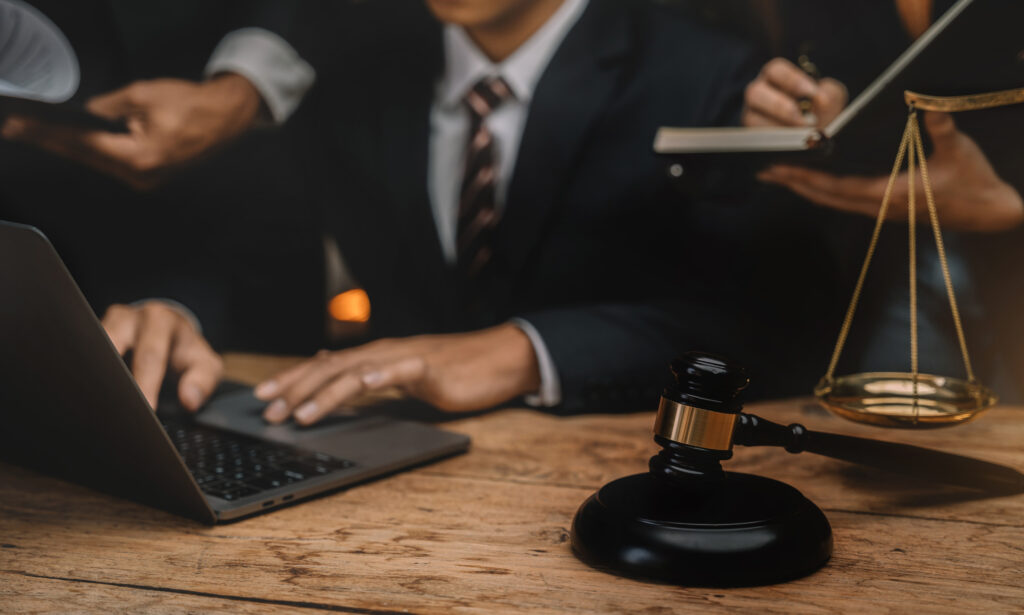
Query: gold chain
x=940 y=246
x=912 y=242
x=913 y=142
x=852 y=308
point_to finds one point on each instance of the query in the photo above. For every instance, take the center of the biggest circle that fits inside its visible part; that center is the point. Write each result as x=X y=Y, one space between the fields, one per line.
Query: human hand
x=772 y=98
x=170 y=122
x=456 y=372
x=969 y=196
x=161 y=337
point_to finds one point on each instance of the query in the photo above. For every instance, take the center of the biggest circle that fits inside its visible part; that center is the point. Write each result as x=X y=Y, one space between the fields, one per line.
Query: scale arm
x=968 y=102
x=906 y=459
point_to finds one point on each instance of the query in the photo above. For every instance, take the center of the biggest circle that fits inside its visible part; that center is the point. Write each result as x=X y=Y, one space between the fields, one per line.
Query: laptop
x=69 y=407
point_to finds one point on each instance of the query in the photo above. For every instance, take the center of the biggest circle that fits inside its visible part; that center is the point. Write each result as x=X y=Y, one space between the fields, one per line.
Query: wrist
x=517 y=359
x=236 y=92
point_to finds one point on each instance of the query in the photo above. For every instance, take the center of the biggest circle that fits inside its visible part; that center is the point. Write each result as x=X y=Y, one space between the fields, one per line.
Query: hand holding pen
x=784 y=95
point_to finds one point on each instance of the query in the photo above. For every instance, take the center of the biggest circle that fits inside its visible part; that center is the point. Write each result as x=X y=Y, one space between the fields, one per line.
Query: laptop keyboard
x=232 y=466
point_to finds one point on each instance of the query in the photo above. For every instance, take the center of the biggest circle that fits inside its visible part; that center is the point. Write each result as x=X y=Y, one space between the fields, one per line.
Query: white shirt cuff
x=272 y=66
x=550 y=393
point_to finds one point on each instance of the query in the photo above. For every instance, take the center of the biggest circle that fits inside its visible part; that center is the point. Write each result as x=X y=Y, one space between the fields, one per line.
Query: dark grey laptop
x=69 y=407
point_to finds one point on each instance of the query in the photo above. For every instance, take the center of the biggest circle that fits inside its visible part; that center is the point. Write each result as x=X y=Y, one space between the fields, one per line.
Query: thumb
x=198 y=383
x=940 y=126
x=114 y=105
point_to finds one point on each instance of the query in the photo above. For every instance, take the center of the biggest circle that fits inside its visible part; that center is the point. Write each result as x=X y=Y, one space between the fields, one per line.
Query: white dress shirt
x=270 y=64
x=465 y=65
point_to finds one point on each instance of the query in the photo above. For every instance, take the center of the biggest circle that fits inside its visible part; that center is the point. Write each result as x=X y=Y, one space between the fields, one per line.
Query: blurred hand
x=170 y=122
x=161 y=338
x=772 y=99
x=969 y=196
x=457 y=372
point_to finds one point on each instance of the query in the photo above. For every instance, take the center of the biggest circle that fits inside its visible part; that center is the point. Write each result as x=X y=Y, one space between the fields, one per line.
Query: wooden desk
x=487 y=532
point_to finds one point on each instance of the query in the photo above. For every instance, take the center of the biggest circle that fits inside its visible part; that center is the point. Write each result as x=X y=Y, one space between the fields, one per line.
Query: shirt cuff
x=272 y=66
x=180 y=308
x=550 y=393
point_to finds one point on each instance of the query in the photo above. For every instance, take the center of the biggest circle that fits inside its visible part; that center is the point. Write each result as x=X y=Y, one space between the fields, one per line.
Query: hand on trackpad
x=241 y=412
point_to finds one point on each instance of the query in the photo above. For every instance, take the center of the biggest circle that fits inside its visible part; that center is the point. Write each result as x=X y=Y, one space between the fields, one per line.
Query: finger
x=829 y=100
x=59 y=139
x=940 y=126
x=152 y=349
x=113 y=105
x=13 y=127
x=312 y=381
x=200 y=367
x=402 y=373
x=789 y=79
x=770 y=102
x=330 y=398
x=103 y=151
x=849 y=186
x=121 y=324
x=272 y=387
x=754 y=119
x=296 y=385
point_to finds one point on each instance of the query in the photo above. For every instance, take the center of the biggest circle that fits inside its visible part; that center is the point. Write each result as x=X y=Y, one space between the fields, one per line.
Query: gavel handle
x=915 y=461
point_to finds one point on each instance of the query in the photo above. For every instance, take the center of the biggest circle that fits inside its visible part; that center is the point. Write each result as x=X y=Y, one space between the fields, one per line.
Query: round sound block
x=738 y=531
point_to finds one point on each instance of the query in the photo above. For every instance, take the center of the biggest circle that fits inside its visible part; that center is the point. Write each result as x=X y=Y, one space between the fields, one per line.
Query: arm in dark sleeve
x=616 y=356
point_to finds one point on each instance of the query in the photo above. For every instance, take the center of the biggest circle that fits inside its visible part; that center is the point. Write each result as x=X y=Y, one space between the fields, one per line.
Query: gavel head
x=697 y=416
x=689 y=522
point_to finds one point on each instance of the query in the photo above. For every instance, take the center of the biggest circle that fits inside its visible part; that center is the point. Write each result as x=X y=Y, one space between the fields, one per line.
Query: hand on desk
x=969 y=195
x=772 y=99
x=161 y=337
x=455 y=372
x=170 y=122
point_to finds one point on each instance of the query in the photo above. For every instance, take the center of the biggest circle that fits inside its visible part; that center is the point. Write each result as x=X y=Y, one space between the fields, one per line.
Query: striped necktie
x=478 y=212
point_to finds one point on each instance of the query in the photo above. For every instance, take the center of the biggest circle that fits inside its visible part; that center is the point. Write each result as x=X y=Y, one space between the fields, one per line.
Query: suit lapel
x=568 y=100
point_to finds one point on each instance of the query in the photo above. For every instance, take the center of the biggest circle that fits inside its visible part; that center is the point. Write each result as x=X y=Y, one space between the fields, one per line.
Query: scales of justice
x=689 y=522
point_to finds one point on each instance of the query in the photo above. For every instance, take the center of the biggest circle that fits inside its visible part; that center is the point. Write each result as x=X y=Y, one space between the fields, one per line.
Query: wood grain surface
x=487 y=532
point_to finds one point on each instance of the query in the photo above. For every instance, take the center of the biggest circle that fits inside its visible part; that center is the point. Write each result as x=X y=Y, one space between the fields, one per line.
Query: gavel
x=689 y=522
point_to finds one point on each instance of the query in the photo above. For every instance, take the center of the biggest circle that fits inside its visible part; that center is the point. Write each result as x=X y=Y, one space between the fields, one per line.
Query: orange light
x=350 y=306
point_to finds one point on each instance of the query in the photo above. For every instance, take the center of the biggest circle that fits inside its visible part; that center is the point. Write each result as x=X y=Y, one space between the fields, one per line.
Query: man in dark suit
x=497 y=197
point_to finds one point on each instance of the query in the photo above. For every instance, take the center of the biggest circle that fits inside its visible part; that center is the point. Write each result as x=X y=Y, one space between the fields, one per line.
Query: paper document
x=36 y=61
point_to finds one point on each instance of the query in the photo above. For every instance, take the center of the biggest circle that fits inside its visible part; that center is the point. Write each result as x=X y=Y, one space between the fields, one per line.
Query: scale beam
x=967 y=102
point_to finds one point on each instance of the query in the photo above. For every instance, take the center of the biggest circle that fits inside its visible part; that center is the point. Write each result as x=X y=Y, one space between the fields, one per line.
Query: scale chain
x=844 y=331
x=941 y=248
x=912 y=248
x=913 y=142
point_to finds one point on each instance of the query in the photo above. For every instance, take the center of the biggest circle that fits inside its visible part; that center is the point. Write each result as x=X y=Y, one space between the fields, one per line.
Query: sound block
x=734 y=530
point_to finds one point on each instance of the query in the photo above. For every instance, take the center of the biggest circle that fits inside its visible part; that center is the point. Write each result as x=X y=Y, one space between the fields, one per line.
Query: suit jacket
x=598 y=247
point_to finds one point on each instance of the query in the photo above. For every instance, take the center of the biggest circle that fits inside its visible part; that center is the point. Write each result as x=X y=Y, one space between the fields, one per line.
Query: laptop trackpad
x=241 y=412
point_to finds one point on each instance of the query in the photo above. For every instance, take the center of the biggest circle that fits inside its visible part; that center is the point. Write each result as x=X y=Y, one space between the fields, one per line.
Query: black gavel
x=689 y=522
x=701 y=411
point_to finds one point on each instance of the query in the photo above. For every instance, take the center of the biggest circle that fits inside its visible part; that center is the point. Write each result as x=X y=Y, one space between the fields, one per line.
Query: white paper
x=36 y=60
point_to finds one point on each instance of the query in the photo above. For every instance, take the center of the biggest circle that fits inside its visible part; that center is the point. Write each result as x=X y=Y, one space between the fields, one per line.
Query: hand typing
x=455 y=372
x=161 y=338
